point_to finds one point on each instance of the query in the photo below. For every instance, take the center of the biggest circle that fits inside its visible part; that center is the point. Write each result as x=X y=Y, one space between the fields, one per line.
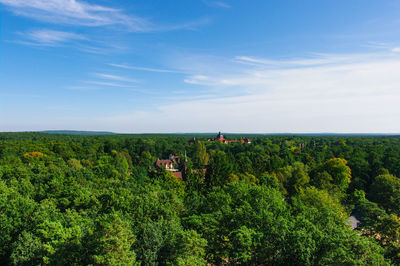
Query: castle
x=220 y=138
x=171 y=164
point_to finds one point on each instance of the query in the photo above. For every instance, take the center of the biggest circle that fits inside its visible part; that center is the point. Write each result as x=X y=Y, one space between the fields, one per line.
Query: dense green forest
x=281 y=200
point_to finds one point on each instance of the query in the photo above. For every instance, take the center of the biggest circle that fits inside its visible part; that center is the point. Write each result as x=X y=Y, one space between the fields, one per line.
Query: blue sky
x=200 y=66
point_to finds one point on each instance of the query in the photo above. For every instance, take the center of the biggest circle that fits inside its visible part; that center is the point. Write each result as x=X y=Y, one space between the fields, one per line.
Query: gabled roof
x=163 y=162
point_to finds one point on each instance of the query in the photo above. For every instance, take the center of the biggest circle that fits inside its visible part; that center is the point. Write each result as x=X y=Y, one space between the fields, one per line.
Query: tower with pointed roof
x=220 y=137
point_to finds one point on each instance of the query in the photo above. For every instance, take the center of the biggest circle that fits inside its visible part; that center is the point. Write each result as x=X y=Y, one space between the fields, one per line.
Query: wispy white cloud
x=114 y=77
x=185 y=25
x=73 y=12
x=46 y=37
x=272 y=74
x=358 y=93
x=217 y=4
x=145 y=68
x=66 y=39
x=396 y=49
x=91 y=49
x=81 y=13
x=108 y=84
x=314 y=59
x=95 y=86
x=222 y=4
x=197 y=79
x=83 y=88
x=106 y=81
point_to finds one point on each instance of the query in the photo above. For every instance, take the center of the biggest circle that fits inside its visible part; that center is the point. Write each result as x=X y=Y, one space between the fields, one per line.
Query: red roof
x=177 y=174
x=222 y=140
x=169 y=163
x=165 y=163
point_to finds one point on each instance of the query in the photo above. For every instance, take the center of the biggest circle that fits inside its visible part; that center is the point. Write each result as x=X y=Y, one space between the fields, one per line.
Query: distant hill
x=77 y=132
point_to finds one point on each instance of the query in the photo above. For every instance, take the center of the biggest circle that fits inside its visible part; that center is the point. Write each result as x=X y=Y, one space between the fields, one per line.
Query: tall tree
x=200 y=157
x=218 y=169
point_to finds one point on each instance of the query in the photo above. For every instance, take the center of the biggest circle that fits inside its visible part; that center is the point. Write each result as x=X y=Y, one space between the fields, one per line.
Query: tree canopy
x=281 y=200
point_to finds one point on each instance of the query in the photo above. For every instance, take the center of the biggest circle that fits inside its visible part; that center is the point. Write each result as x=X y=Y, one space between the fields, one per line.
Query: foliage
x=218 y=169
x=385 y=191
x=282 y=200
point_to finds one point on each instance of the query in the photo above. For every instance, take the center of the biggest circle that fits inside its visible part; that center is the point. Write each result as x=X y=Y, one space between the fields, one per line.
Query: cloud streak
x=80 y=13
x=145 y=68
x=108 y=84
x=216 y=4
x=114 y=77
x=46 y=37
x=72 y=12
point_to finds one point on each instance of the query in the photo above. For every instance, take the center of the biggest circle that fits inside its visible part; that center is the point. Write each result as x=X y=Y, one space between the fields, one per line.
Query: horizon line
x=66 y=131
